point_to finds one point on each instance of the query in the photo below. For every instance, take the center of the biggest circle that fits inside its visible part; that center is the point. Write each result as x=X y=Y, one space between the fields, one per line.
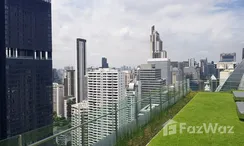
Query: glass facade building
x=235 y=79
x=26 y=66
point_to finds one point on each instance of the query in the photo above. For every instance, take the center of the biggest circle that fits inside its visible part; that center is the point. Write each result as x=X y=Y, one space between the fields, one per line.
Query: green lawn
x=205 y=108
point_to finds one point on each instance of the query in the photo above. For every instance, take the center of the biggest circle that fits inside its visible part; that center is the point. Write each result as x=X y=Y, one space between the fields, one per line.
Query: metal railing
x=111 y=122
x=117 y=120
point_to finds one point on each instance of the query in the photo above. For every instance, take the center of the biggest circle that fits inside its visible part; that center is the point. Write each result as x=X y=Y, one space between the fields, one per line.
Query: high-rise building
x=176 y=75
x=79 y=115
x=242 y=54
x=26 y=66
x=228 y=57
x=81 y=70
x=69 y=82
x=58 y=99
x=164 y=54
x=156 y=44
x=191 y=62
x=151 y=82
x=203 y=69
x=68 y=102
x=164 y=65
x=104 y=62
x=56 y=77
x=191 y=73
x=106 y=92
x=127 y=77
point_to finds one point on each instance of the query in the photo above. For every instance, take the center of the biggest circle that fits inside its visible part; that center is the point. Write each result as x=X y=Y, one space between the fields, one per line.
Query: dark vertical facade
x=242 y=53
x=3 y=129
x=104 y=62
x=81 y=69
x=27 y=68
x=69 y=83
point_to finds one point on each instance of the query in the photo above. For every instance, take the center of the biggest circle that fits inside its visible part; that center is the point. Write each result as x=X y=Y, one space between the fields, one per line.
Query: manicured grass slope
x=206 y=108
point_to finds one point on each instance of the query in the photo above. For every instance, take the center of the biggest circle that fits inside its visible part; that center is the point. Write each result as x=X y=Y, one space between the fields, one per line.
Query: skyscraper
x=191 y=62
x=104 y=62
x=106 y=91
x=79 y=115
x=164 y=65
x=26 y=66
x=156 y=44
x=58 y=99
x=81 y=69
x=69 y=82
x=242 y=54
x=151 y=81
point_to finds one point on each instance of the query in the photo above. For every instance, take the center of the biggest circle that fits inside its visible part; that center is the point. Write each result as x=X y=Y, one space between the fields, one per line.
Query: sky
x=119 y=29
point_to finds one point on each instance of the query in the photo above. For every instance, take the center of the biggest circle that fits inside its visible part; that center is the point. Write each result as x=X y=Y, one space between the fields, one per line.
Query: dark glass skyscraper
x=104 y=62
x=25 y=66
x=242 y=53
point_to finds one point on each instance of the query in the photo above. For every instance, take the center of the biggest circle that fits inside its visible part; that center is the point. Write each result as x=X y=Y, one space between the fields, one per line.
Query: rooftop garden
x=208 y=119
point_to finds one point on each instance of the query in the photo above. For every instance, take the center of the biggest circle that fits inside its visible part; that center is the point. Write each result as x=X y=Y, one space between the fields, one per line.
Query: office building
x=151 y=82
x=204 y=69
x=106 y=92
x=242 y=54
x=174 y=64
x=191 y=62
x=226 y=65
x=25 y=66
x=56 y=76
x=156 y=44
x=78 y=117
x=104 y=62
x=164 y=65
x=69 y=82
x=164 y=54
x=81 y=70
x=228 y=57
x=235 y=80
x=128 y=78
x=58 y=99
x=191 y=73
x=212 y=70
x=176 y=75
x=68 y=102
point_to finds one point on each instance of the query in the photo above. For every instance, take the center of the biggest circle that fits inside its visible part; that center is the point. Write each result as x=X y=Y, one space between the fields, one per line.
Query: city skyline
x=198 y=30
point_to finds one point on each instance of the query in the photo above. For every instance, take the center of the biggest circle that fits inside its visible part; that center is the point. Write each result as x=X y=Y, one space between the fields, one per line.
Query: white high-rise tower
x=106 y=92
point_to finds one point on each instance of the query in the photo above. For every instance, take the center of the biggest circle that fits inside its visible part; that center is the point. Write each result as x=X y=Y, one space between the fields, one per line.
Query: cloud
x=120 y=29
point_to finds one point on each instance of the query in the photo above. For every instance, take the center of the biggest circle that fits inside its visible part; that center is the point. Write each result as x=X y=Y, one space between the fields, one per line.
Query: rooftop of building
x=208 y=108
x=104 y=70
x=158 y=59
x=83 y=104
